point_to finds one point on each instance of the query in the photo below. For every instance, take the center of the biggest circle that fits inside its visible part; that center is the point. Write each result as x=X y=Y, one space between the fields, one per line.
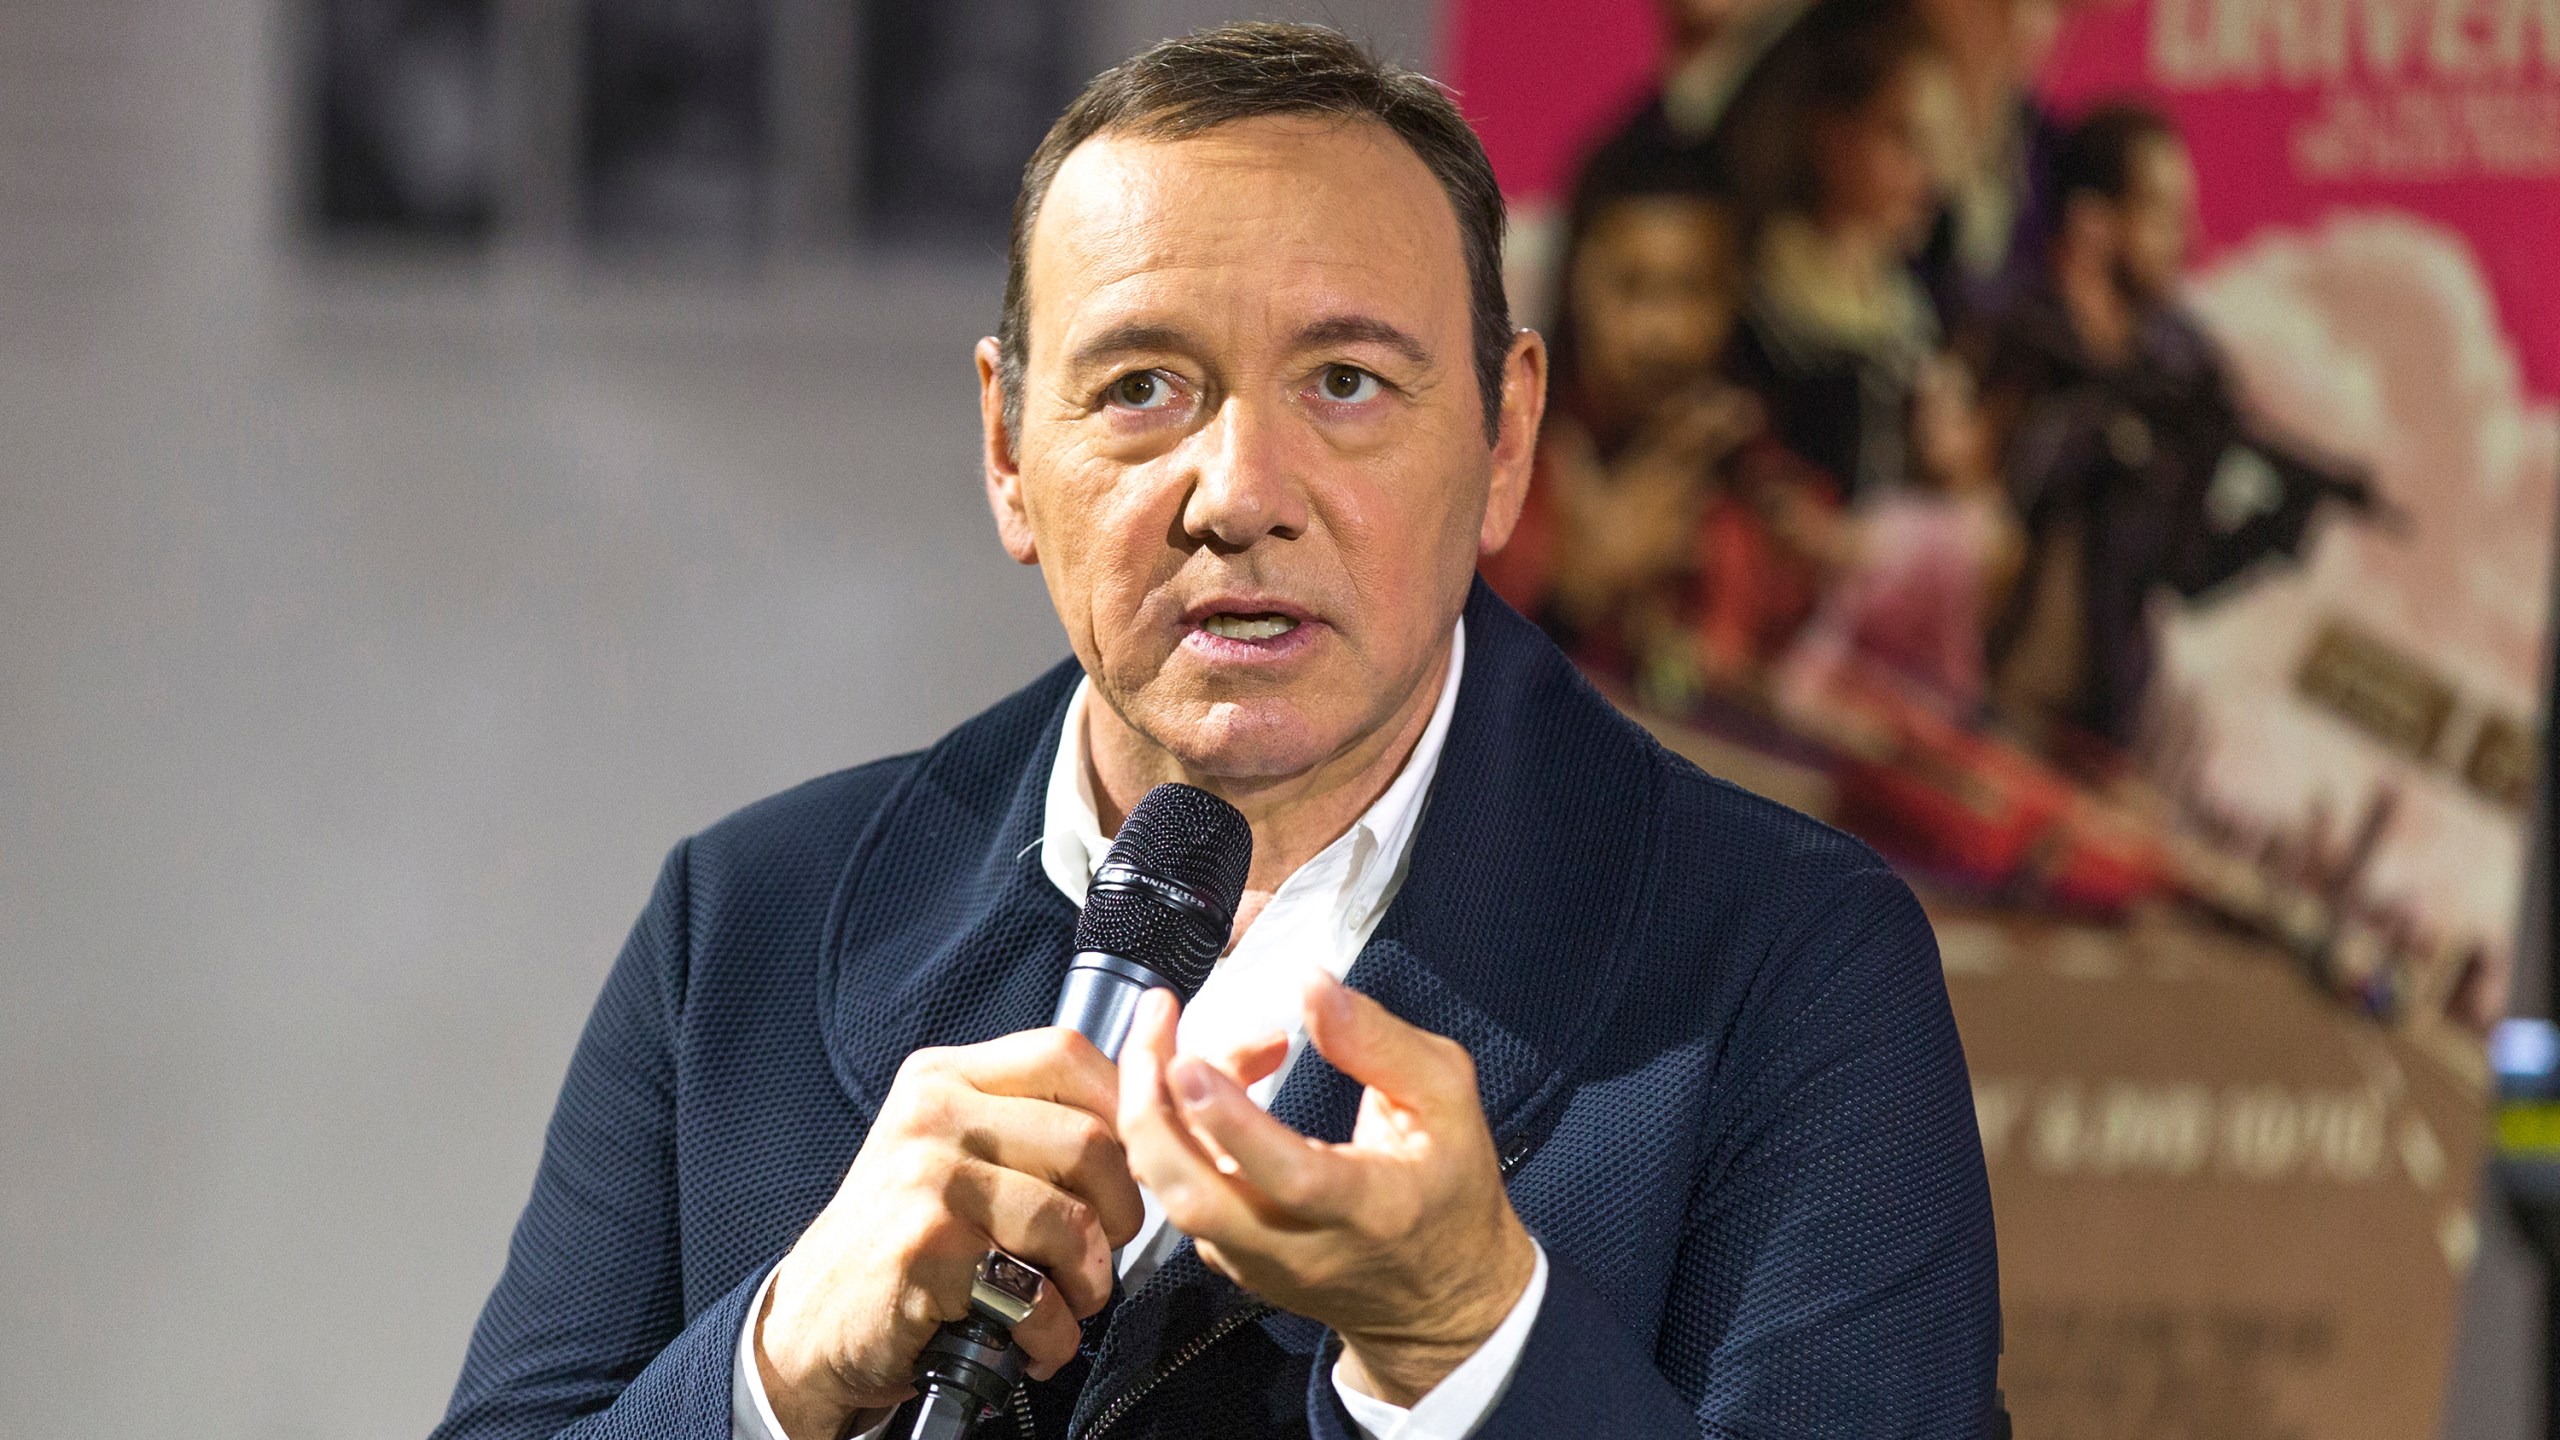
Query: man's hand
x=1401 y=1241
x=1005 y=1145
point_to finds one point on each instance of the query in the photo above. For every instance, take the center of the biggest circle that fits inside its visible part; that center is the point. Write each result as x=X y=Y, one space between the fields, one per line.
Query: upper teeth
x=1249 y=627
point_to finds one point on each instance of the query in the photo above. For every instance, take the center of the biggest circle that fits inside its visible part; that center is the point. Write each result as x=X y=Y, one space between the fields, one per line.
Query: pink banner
x=2447 y=110
x=1542 y=81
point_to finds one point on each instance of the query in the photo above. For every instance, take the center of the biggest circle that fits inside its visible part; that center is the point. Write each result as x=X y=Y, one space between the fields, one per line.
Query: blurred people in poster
x=1888 y=678
x=1642 y=435
x=1842 y=186
x=1674 y=140
x=2136 y=469
x=1915 y=570
x=1884 y=447
x=1996 y=153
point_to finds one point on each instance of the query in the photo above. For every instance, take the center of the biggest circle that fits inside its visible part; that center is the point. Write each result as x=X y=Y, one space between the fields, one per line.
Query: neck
x=2100 y=314
x=1293 y=816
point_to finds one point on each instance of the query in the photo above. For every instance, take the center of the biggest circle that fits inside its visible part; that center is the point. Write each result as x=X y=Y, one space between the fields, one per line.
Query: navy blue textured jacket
x=1712 y=1037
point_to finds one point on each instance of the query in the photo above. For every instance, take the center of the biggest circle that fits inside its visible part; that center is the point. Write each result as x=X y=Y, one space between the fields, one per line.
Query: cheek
x=1103 y=531
x=1407 y=539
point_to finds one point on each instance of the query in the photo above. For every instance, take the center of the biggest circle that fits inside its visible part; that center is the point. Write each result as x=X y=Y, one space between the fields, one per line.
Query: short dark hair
x=2096 y=158
x=1180 y=88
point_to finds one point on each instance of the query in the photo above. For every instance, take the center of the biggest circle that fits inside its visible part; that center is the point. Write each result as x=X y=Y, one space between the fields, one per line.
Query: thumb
x=1422 y=1072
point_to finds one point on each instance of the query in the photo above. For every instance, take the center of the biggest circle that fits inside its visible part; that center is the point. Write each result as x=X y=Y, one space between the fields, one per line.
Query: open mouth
x=1248 y=627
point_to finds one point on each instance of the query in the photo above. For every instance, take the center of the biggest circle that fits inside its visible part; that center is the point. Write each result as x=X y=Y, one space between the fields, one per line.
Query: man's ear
x=1004 y=474
x=1515 y=441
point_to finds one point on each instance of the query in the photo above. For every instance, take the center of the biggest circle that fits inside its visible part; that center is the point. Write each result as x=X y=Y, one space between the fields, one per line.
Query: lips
x=1229 y=628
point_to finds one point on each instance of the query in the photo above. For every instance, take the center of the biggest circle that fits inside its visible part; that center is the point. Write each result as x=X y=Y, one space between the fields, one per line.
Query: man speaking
x=1549 y=1087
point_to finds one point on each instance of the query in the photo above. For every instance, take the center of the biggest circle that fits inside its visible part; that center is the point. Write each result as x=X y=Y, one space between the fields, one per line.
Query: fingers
x=1255 y=1059
x=1308 y=1182
x=1197 y=1199
x=1070 y=1148
x=1049 y=1335
x=1030 y=1218
x=1055 y=1064
x=1150 y=1136
x=1430 y=1074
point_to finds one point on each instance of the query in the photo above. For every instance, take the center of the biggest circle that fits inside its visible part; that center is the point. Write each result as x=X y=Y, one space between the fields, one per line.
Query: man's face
x=1252 y=463
x=2158 y=220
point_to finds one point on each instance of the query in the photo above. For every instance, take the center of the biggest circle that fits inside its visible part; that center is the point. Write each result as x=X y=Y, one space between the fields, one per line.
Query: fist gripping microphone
x=1156 y=917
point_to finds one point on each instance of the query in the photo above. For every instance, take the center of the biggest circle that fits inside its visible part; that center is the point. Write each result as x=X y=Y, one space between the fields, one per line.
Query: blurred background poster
x=2379 y=186
x=2342 y=720
x=2104 y=455
x=2376 y=187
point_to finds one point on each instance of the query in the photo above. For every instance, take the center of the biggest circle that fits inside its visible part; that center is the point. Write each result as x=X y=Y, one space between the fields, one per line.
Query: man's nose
x=1245 y=487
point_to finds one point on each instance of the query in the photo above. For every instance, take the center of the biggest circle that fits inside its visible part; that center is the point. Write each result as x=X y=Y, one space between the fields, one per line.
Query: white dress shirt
x=1320 y=916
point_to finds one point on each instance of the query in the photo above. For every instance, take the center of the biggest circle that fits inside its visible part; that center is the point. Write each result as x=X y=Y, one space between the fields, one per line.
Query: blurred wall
x=368 y=631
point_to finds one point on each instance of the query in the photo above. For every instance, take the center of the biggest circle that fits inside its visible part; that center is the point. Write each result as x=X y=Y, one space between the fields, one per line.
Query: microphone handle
x=1100 y=999
x=969 y=1368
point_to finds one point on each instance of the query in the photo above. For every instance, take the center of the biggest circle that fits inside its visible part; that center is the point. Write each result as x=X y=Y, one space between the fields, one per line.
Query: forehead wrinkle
x=1127 y=316
x=1141 y=235
x=1118 y=215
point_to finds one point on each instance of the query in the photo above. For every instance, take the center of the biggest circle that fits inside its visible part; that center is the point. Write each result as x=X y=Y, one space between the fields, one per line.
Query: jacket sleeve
x=1836 y=1274
x=586 y=1333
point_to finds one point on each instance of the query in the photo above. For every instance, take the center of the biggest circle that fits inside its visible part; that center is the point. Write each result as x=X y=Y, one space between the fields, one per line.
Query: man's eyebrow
x=1124 y=338
x=1363 y=330
x=1139 y=335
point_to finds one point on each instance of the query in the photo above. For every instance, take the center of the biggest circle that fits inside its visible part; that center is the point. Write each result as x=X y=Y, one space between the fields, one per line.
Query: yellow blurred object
x=2527 y=1127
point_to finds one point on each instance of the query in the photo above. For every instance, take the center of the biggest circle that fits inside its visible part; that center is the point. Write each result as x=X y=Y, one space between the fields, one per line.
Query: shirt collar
x=1072 y=843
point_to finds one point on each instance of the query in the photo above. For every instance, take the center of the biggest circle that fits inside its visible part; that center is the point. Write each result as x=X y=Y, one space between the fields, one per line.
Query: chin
x=1262 y=738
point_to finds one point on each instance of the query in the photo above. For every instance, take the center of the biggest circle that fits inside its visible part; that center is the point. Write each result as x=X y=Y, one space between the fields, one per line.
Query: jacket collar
x=1525 y=875
x=944 y=930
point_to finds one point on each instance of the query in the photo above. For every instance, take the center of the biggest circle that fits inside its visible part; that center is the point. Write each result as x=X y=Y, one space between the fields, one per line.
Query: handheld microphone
x=1157 y=915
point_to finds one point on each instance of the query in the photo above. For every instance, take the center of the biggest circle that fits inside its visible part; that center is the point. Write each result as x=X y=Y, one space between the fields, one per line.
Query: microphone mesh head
x=1166 y=895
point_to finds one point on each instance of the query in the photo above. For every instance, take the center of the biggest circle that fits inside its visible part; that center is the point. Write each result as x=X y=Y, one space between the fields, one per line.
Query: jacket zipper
x=1509 y=1161
x=1228 y=1324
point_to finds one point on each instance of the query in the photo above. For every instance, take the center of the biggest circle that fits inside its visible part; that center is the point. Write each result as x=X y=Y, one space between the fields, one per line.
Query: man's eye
x=1140 y=390
x=1348 y=384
